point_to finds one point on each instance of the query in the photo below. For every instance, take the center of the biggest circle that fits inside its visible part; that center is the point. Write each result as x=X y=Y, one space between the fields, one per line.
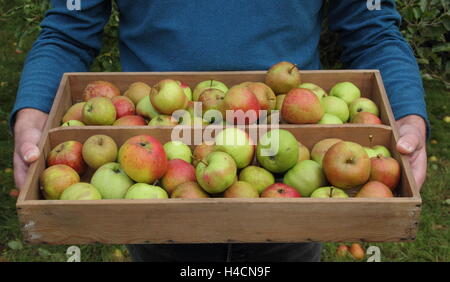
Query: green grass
x=432 y=243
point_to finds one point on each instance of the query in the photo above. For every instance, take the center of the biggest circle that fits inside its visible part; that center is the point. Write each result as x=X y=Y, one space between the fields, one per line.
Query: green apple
x=237 y=143
x=282 y=77
x=55 y=179
x=73 y=123
x=336 y=106
x=320 y=148
x=329 y=192
x=306 y=176
x=145 y=191
x=279 y=103
x=258 y=177
x=382 y=150
x=241 y=189
x=178 y=150
x=167 y=96
x=363 y=105
x=370 y=152
x=111 y=181
x=145 y=108
x=81 y=191
x=330 y=119
x=186 y=89
x=347 y=91
x=99 y=111
x=163 y=120
x=98 y=150
x=216 y=172
x=320 y=93
x=277 y=150
x=207 y=84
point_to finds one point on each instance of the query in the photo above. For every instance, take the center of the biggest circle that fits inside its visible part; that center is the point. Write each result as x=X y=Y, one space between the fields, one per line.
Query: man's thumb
x=408 y=143
x=29 y=152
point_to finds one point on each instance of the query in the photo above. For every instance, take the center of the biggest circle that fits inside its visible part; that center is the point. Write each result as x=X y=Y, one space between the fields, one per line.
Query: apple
x=303 y=152
x=241 y=189
x=342 y=250
x=178 y=150
x=382 y=150
x=330 y=119
x=111 y=181
x=238 y=144
x=81 y=191
x=167 y=96
x=240 y=106
x=258 y=177
x=363 y=105
x=201 y=152
x=374 y=189
x=73 y=123
x=100 y=89
x=301 y=106
x=124 y=106
x=282 y=77
x=320 y=93
x=202 y=86
x=145 y=108
x=178 y=172
x=186 y=89
x=55 y=179
x=75 y=112
x=356 y=251
x=280 y=190
x=347 y=91
x=216 y=172
x=137 y=91
x=163 y=120
x=145 y=191
x=346 y=165
x=187 y=119
x=264 y=94
x=328 y=192
x=143 y=158
x=211 y=99
x=320 y=148
x=99 y=111
x=366 y=118
x=68 y=153
x=306 y=176
x=277 y=150
x=336 y=106
x=133 y=120
x=279 y=102
x=385 y=170
x=189 y=190
x=99 y=150
x=370 y=152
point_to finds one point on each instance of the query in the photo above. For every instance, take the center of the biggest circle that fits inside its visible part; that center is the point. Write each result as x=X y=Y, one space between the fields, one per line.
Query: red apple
x=143 y=158
x=241 y=189
x=132 y=120
x=68 y=153
x=57 y=178
x=189 y=190
x=357 y=251
x=374 y=189
x=385 y=170
x=178 y=172
x=366 y=118
x=320 y=148
x=201 y=152
x=211 y=99
x=301 y=106
x=263 y=93
x=75 y=112
x=280 y=190
x=100 y=89
x=124 y=106
x=241 y=106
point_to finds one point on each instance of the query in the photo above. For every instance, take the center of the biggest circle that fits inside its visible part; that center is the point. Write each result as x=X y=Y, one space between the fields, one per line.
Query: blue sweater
x=208 y=35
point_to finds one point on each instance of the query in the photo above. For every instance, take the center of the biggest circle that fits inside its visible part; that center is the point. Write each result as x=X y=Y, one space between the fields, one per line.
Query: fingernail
x=30 y=155
x=406 y=146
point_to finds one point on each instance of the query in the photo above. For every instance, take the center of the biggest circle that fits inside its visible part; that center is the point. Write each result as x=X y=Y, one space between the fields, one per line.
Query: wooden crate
x=220 y=220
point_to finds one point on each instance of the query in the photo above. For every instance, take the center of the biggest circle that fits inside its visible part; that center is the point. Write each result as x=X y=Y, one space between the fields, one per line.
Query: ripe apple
x=133 y=120
x=75 y=112
x=111 y=181
x=211 y=99
x=143 y=158
x=201 y=152
x=382 y=150
x=366 y=118
x=347 y=91
x=320 y=93
x=73 y=123
x=356 y=251
x=374 y=189
x=346 y=165
x=306 y=176
x=124 y=106
x=336 y=106
x=282 y=77
x=385 y=170
x=264 y=94
x=240 y=106
x=145 y=108
x=258 y=177
x=363 y=105
x=99 y=111
x=163 y=120
x=189 y=190
x=216 y=172
x=178 y=172
x=81 y=191
x=167 y=96
x=280 y=190
x=303 y=152
x=370 y=152
x=320 y=148
x=241 y=189
x=202 y=86
x=100 y=89
x=145 y=191
x=55 y=179
x=330 y=119
x=238 y=144
x=186 y=89
x=301 y=106
x=277 y=150
x=99 y=150
x=137 y=91
x=279 y=102
x=68 y=153
x=329 y=192
x=342 y=250
x=178 y=150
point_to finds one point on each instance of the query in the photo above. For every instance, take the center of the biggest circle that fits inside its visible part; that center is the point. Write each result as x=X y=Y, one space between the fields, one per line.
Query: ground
x=432 y=243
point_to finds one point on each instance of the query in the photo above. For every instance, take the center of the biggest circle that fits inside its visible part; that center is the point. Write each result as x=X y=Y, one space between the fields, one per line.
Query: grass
x=432 y=243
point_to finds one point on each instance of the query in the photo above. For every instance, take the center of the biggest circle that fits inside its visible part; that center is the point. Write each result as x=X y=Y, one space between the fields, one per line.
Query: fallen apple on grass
x=111 y=181
x=99 y=150
x=55 y=179
x=68 y=153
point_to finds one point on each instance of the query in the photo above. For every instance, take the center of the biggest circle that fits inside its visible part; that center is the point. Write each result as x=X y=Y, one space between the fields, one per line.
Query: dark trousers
x=268 y=252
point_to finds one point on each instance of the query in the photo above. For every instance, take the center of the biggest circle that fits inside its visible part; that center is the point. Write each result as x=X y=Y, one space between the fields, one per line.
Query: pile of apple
x=282 y=93
x=143 y=168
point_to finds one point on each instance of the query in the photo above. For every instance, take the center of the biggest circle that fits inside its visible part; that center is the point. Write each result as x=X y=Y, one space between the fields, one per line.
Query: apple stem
x=293 y=67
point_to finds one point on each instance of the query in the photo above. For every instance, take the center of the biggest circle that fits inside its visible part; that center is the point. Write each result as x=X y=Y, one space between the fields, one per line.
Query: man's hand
x=412 y=131
x=27 y=132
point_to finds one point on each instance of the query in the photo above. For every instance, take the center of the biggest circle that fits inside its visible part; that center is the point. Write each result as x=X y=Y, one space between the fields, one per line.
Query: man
x=208 y=35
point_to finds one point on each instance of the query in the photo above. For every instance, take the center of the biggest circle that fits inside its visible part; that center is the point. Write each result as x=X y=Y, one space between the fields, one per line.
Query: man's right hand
x=27 y=133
